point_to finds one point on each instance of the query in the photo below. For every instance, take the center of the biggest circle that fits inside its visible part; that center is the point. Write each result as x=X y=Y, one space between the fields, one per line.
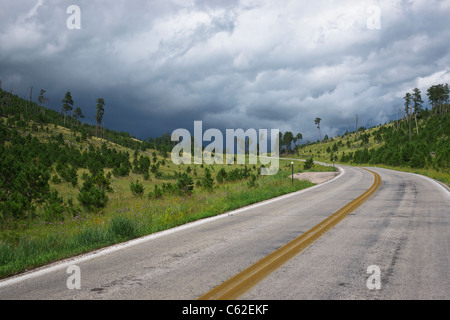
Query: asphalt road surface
x=403 y=231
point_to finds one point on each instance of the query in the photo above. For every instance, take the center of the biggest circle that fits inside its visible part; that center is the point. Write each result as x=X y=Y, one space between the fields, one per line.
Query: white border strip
x=104 y=251
x=446 y=191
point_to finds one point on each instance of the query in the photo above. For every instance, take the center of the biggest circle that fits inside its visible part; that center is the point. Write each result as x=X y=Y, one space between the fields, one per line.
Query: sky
x=261 y=64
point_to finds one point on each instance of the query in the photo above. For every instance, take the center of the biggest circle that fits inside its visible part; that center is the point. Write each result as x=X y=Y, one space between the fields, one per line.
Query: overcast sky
x=263 y=64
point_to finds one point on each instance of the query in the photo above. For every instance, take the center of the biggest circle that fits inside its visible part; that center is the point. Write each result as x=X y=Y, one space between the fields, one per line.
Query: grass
x=319 y=150
x=40 y=243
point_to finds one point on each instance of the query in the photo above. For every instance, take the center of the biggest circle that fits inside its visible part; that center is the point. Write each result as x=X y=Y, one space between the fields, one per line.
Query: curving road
x=403 y=229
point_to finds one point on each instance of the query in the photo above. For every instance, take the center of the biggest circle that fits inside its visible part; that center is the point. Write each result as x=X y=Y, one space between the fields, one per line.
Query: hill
x=67 y=187
x=419 y=143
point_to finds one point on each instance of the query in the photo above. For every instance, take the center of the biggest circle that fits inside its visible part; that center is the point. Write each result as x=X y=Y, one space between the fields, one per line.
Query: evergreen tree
x=317 y=122
x=221 y=175
x=100 y=112
x=208 y=181
x=417 y=105
x=185 y=184
x=137 y=188
x=42 y=99
x=78 y=114
x=93 y=192
x=67 y=105
x=298 y=137
x=287 y=141
x=408 y=98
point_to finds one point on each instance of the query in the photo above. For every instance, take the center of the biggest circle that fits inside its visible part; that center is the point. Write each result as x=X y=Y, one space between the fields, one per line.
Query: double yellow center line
x=243 y=281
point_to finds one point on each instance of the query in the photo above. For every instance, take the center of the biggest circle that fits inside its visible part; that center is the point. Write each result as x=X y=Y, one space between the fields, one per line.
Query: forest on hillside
x=29 y=163
x=35 y=154
x=418 y=138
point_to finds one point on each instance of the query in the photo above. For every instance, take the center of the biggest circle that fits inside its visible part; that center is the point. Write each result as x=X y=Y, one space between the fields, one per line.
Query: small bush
x=221 y=175
x=93 y=192
x=252 y=182
x=137 y=188
x=54 y=207
x=308 y=164
x=185 y=184
x=208 y=181
x=156 y=194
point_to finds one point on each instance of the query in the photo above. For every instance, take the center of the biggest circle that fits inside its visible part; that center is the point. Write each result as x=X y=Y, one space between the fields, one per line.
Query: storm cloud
x=161 y=65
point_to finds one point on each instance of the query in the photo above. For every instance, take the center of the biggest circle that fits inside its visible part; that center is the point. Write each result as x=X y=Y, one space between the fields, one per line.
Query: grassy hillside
x=390 y=146
x=65 y=191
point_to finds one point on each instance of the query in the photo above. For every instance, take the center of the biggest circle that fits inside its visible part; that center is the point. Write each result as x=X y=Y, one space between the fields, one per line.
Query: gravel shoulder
x=316 y=177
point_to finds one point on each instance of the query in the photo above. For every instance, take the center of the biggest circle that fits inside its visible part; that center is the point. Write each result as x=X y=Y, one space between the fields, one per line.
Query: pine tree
x=100 y=112
x=67 y=105
x=408 y=98
x=78 y=114
x=42 y=99
x=417 y=105
x=208 y=181
x=317 y=122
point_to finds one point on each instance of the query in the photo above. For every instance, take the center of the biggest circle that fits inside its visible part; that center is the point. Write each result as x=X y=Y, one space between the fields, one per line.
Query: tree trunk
x=410 y=132
x=417 y=128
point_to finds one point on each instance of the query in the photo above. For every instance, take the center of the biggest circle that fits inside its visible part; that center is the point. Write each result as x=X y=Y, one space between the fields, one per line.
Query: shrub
x=92 y=198
x=208 y=181
x=54 y=207
x=156 y=194
x=185 y=184
x=308 y=164
x=121 y=171
x=221 y=175
x=55 y=179
x=158 y=174
x=252 y=182
x=137 y=188
x=417 y=161
x=169 y=188
x=68 y=173
x=93 y=192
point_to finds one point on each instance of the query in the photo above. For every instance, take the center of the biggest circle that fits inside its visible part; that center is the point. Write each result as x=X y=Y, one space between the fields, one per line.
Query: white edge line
x=103 y=251
x=446 y=191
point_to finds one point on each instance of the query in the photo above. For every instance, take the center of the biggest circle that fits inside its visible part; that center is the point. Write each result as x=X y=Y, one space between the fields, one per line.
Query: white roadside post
x=292 y=165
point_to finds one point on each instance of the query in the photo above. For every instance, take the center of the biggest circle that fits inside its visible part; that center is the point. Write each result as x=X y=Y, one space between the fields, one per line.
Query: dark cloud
x=160 y=65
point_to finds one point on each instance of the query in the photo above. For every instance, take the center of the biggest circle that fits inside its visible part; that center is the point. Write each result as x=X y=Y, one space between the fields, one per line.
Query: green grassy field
x=127 y=217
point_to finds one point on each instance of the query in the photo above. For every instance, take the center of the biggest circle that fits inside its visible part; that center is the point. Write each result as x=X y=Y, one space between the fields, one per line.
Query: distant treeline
x=29 y=164
x=20 y=111
x=429 y=148
x=419 y=137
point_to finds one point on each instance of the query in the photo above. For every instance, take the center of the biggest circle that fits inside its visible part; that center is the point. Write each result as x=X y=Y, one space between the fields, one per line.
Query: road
x=403 y=229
